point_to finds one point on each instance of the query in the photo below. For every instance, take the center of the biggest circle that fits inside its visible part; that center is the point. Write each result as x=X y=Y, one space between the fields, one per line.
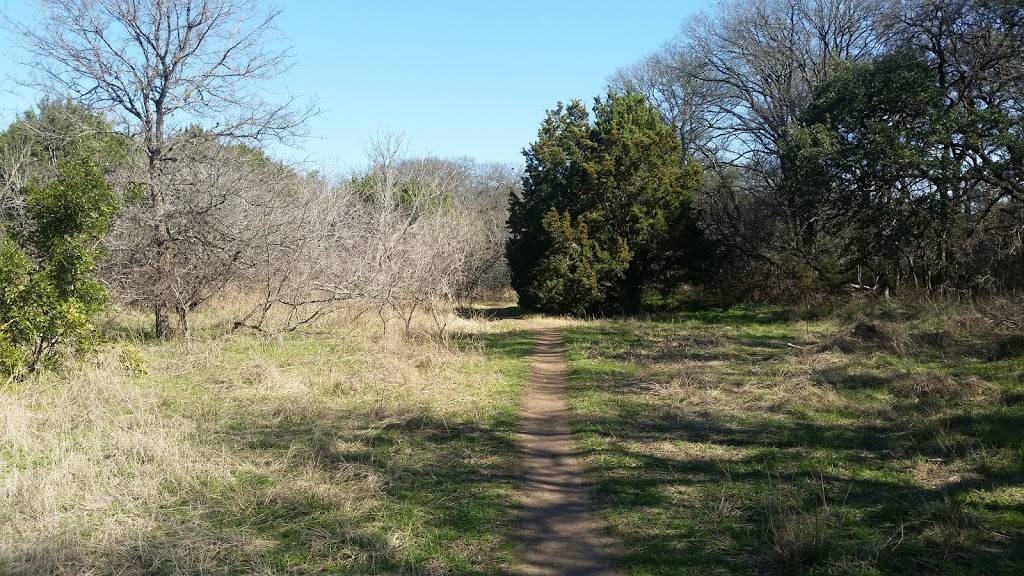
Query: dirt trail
x=559 y=533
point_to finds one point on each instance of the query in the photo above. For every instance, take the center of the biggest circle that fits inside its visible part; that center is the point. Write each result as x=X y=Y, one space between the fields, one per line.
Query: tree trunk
x=164 y=271
x=183 y=320
x=162 y=321
x=633 y=288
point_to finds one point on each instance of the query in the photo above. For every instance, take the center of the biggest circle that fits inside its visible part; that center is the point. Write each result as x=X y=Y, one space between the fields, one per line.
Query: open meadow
x=332 y=451
x=756 y=440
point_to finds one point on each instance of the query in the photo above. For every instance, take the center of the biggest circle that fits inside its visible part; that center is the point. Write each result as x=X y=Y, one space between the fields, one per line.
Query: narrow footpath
x=558 y=531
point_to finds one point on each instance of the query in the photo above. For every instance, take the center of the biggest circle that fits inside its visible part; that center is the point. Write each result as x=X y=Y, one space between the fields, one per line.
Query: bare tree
x=765 y=59
x=15 y=160
x=159 y=66
x=668 y=79
x=224 y=204
x=404 y=237
x=485 y=196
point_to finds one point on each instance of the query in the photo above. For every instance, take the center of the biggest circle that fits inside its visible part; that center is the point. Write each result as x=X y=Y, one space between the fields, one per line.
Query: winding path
x=558 y=531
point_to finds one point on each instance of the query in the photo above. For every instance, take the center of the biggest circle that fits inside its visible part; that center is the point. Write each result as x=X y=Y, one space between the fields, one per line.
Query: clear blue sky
x=456 y=77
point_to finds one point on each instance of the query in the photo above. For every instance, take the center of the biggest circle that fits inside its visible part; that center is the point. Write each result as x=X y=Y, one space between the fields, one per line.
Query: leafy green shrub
x=132 y=360
x=49 y=292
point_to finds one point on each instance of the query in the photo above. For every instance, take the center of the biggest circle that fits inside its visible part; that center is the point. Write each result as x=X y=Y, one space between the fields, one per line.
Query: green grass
x=738 y=442
x=230 y=454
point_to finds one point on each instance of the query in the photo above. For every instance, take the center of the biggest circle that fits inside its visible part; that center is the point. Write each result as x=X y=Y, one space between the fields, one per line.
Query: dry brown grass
x=180 y=457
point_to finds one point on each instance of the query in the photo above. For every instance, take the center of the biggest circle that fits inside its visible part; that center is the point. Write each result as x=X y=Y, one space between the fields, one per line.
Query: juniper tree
x=605 y=211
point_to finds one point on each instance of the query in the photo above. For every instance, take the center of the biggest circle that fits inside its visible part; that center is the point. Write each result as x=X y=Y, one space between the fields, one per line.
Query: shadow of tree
x=508 y=345
x=448 y=481
x=490 y=313
x=348 y=488
x=698 y=490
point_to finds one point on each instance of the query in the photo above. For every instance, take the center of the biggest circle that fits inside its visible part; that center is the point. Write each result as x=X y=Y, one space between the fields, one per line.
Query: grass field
x=740 y=441
x=334 y=452
x=748 y=442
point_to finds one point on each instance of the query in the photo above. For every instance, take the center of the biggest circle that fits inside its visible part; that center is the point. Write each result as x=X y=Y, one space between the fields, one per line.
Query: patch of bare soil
x=557 y=529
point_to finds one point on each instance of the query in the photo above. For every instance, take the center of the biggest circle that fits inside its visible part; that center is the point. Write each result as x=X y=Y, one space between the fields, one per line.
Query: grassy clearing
x=747 y=442
x=738 y=441
x=335 y=452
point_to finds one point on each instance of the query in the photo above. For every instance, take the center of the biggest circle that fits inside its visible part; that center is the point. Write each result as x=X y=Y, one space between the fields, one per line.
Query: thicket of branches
x=872 y=143
x=162 y=105
x=405 y=235
x=402 y=236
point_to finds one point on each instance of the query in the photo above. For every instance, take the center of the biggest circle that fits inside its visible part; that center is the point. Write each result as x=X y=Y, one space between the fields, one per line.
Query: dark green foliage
x=58 y=130
x=576 y=272
x=606 y=209
x=889 y=180
x=49 y=293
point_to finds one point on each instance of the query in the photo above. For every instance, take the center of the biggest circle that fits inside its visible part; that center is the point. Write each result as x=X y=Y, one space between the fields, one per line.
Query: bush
x=49 y=293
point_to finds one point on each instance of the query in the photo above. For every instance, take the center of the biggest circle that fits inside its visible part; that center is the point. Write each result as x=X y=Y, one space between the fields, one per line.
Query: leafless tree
x=224 y=205
x=403 y=237
x=668 y=79
x=159 y=66
x=15 y=158
x=486 y=198
x=765 y=59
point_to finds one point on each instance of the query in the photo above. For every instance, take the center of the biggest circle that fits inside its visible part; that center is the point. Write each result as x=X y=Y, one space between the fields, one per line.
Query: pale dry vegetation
x=232 y=453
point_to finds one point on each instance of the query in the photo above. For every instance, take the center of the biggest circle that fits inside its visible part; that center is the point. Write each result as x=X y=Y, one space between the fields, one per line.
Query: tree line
x=141 y=180
x=866 y=144
x=773 y=149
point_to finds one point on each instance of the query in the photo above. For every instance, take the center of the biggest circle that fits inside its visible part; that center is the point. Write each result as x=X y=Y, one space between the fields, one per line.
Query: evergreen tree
x=606 y=209
x=890 y=176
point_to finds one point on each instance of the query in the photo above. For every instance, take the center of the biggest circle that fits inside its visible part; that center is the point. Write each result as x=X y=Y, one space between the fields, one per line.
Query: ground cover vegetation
x=879 y=438
x=785 y=251
x=337 y=451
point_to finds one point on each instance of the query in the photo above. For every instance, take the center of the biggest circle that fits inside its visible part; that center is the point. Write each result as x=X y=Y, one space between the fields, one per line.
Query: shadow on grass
x=444 y=486
x=444 y=489
x=852 y=379
x=490 y=313
x=511 y=345
x=352 y=490
x=611 y=341
x=768 y=492
x=418 y=496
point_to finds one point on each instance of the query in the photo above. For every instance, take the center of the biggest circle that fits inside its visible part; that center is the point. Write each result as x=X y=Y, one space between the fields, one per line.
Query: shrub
x=575 y=270
x=49 y=293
